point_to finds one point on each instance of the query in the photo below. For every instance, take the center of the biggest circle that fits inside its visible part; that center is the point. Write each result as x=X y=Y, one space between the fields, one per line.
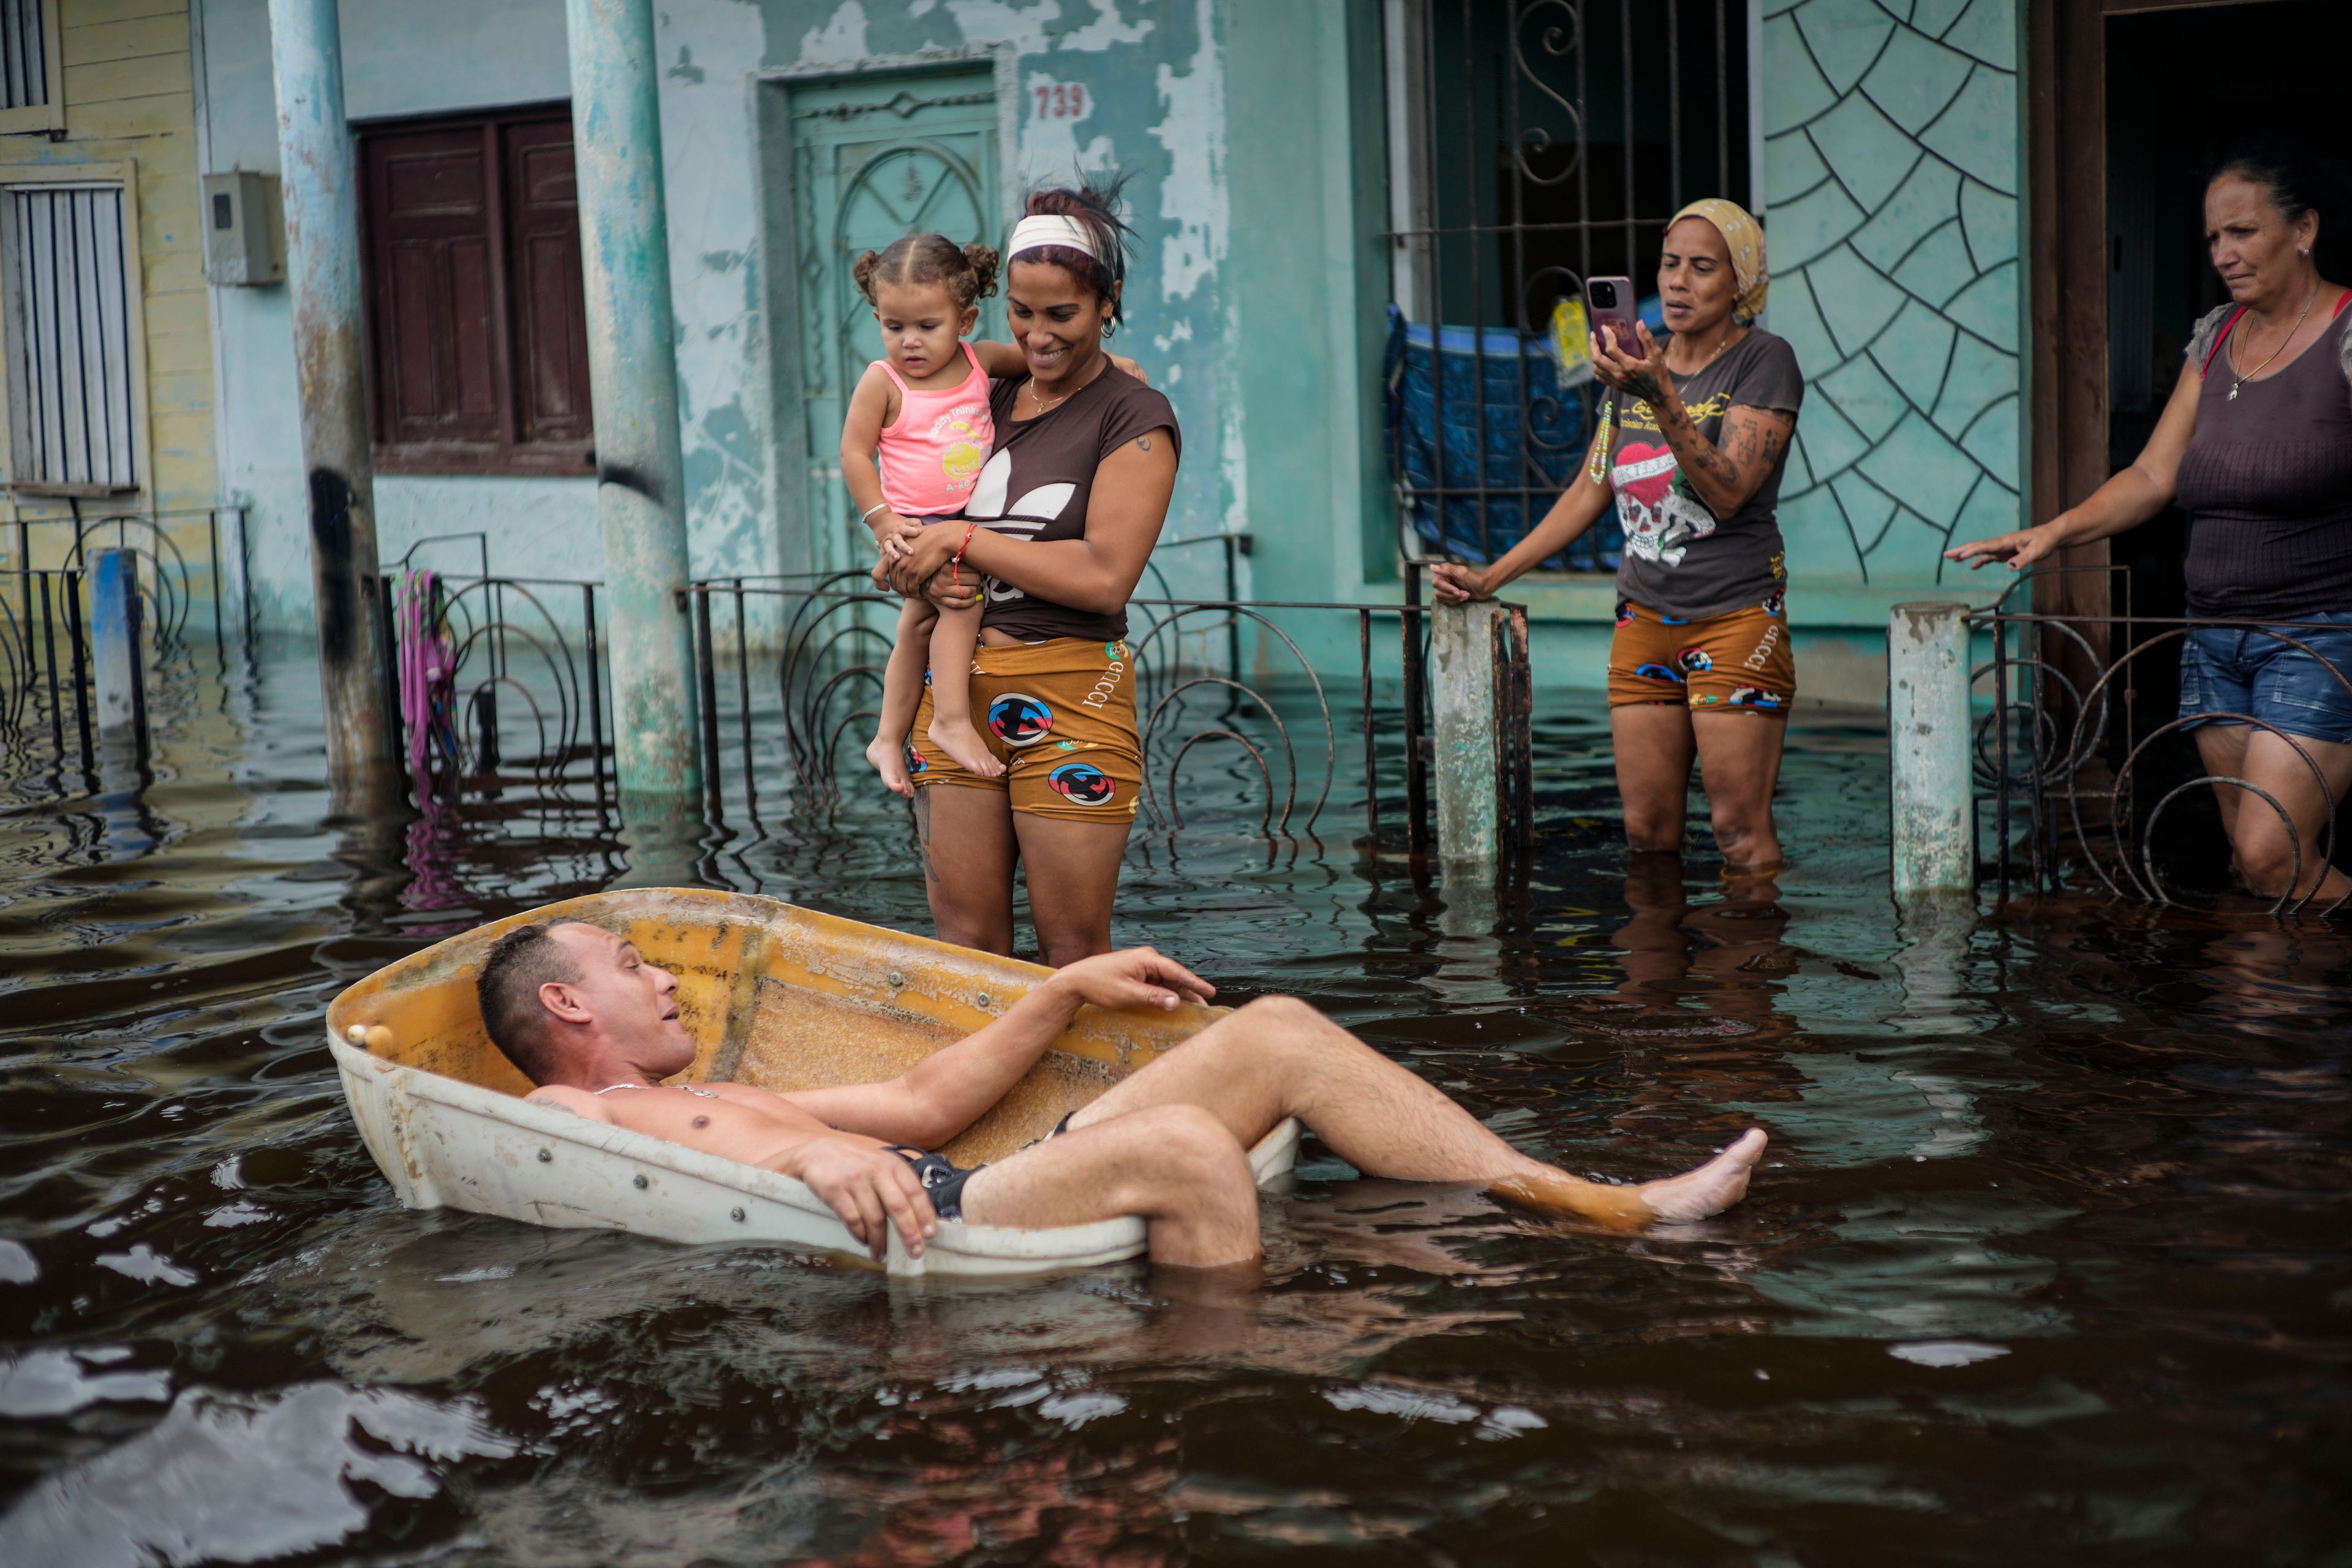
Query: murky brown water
x=2050 y=1262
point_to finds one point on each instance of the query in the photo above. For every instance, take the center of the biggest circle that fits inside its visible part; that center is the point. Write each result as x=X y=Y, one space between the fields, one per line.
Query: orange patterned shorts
x=1060 y=716
x=1740 y=659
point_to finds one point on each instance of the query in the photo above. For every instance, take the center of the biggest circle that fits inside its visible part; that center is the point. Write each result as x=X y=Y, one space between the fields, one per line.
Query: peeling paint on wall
x=1193 y=129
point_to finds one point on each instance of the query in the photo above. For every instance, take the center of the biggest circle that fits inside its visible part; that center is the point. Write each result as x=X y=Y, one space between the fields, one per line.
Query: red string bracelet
x=955 y=561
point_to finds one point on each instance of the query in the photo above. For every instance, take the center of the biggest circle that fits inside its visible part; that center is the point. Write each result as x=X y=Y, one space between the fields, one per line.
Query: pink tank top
x=931 y=457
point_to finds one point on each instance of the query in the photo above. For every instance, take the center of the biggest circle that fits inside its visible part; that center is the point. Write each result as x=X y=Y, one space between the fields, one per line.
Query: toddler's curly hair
x=968 y=270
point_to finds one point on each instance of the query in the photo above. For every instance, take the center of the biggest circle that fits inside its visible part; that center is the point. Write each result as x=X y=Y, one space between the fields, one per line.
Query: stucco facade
x=1253 y=137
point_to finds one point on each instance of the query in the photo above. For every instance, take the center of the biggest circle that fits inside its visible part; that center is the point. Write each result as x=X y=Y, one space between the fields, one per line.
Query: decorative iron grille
x=1533 y=144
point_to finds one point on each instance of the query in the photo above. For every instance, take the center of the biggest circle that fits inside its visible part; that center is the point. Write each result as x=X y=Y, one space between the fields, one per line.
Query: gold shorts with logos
x=1060 y=716
x=1739 y=660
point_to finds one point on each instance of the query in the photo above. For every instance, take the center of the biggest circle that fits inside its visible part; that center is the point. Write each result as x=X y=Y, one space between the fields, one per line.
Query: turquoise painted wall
x=1892 y=173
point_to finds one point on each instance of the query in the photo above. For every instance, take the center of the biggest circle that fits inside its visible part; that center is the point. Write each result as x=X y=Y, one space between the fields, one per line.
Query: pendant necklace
x=2244 y=376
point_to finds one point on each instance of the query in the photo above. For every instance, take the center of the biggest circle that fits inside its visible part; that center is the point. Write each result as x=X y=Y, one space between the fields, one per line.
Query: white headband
x=1050 y=228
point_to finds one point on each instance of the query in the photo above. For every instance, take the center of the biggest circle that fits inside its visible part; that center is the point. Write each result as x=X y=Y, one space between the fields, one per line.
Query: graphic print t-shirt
x=1039 y=482
x=1681 y=560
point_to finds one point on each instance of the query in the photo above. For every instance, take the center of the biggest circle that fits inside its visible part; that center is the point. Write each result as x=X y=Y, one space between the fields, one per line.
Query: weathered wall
x=128 y=99
x=1156 y=105
x=397 y=60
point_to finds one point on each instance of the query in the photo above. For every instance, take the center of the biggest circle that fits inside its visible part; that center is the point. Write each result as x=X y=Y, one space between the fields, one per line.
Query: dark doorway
x=2184 y=88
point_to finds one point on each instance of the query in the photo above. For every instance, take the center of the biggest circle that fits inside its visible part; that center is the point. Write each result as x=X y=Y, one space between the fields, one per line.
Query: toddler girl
x=921 y=417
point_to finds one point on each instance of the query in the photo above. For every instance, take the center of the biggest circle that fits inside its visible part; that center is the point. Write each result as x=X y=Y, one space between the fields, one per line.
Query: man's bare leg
x=1278 y=1056
x=1176 y=1166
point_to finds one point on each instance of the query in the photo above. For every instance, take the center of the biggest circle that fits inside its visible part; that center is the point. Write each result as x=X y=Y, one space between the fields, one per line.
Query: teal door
x=875 y=157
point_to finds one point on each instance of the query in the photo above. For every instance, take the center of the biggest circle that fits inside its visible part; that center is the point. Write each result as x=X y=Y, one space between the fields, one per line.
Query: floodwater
x=2048 y=1263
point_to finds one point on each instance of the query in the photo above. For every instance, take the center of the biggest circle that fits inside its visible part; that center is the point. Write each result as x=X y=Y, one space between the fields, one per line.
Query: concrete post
x=1465 y=711
x=117 y=636
x=1930 y=749
x=633 y=370
x=318 y=163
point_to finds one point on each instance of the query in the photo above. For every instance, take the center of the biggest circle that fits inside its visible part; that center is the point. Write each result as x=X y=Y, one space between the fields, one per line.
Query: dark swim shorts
x=944 y=1180
x=941 y=1179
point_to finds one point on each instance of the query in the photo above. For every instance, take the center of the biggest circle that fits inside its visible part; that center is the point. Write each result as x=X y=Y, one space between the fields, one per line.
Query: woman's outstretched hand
x=1458 y=585
x=2021 y=549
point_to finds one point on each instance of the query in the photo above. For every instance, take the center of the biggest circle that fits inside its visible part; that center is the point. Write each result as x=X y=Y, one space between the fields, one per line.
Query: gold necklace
x=2243 y=376
x=1045 y=407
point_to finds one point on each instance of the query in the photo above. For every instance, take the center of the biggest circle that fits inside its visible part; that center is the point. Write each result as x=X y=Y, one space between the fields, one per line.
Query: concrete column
x=1930 y=749
x=118 y=639
x=633 y=370
x=317 y=162
x=1467 y=713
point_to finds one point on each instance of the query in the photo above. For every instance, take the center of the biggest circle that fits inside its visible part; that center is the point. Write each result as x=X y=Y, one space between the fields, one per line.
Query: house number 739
x=1061 y=101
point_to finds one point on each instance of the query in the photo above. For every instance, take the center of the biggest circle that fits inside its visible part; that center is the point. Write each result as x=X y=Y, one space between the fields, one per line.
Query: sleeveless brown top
x=2267 y=482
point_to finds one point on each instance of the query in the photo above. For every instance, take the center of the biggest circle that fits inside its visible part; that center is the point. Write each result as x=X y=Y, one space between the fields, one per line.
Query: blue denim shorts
x=2272 y=679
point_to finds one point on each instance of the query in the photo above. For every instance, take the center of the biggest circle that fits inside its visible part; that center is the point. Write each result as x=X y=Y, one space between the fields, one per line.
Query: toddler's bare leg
x=953 y=640
x=902 y=692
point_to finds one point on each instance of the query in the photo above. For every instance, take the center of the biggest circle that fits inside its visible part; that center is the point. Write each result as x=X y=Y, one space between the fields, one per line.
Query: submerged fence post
x=1931 y=750
x=319 y=161
x=633 y=372
x=117 y=634
x=1466 y=709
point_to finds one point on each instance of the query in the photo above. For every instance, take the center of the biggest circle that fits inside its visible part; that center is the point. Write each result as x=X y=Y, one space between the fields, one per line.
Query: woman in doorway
x=1690 y=447
x=1060 y=523
x=2256 y=446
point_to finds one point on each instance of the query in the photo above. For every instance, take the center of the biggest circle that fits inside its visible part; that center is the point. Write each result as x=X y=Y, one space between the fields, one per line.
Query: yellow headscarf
x=1744 y=238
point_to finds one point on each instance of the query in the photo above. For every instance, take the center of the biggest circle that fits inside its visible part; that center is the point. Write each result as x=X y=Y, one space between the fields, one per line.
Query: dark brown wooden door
x=550 y=316
x=431 y=228
x=477 y=329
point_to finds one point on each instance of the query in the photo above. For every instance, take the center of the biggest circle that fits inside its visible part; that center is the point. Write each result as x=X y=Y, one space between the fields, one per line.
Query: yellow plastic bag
x=1572 y=332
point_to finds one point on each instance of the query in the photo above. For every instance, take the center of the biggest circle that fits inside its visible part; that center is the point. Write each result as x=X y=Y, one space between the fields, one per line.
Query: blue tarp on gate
x=1535 y=431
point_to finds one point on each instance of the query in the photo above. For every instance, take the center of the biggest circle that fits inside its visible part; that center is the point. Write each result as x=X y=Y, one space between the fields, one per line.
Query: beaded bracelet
x=955 y=563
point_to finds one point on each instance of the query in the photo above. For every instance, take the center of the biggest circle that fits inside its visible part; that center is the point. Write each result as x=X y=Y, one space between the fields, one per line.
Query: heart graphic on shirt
x=1646 y=488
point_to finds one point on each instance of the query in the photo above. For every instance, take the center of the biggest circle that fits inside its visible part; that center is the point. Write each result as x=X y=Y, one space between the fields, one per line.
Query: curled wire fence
x=2077 y=775
x=192 y=588
x=1272 y=719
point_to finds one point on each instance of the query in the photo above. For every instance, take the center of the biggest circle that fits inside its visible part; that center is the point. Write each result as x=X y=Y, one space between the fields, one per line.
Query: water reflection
x=2049 y=1261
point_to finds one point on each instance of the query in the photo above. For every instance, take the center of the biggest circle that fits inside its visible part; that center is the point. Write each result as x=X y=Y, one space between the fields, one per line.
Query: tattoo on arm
x=1143 y=443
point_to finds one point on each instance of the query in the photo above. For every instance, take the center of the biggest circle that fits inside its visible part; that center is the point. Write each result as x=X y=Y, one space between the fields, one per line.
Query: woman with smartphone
x=1690 y=446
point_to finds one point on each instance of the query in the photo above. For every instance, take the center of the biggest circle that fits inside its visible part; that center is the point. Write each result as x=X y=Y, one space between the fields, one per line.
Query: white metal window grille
x=24 y=53
x=70 y=373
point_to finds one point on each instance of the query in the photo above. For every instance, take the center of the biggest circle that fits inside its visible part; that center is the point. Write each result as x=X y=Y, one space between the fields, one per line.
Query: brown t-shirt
x=1681 y=560
x=1039 y=480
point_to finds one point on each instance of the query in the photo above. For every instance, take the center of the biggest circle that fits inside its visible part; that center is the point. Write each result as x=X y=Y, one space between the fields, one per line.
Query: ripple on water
x=2046 y=1263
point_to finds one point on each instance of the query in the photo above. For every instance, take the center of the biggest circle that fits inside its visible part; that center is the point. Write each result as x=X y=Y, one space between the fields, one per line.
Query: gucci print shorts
x=1740 y=659
x=1060 y=716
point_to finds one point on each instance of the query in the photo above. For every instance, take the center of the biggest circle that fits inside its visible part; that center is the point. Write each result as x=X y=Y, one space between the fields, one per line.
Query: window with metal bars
x=1533 y=144
x=73 y=391
x=30 y=66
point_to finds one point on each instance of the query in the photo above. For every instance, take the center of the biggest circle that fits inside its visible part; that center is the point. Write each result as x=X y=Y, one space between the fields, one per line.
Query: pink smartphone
x=1610 y=302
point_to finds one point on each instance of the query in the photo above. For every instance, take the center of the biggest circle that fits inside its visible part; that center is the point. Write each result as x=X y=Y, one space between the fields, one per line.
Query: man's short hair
x=520 y=961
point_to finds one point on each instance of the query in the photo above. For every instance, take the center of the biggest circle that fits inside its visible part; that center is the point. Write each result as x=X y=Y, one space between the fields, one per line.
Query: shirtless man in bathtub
x=583 y=1014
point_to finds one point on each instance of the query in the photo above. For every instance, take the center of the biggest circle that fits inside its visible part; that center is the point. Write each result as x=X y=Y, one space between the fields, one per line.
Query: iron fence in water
x=490 y=685
x=45 y=660
x=2082 y=754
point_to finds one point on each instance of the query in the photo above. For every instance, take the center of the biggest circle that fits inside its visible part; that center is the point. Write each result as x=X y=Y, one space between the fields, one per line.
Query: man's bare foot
x=962 y=743
x=1695 y=1194
x=890 y=760
x=1712 y=1188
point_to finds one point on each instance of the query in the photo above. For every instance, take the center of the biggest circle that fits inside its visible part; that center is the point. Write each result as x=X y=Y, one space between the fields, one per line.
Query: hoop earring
x=1108 y=330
